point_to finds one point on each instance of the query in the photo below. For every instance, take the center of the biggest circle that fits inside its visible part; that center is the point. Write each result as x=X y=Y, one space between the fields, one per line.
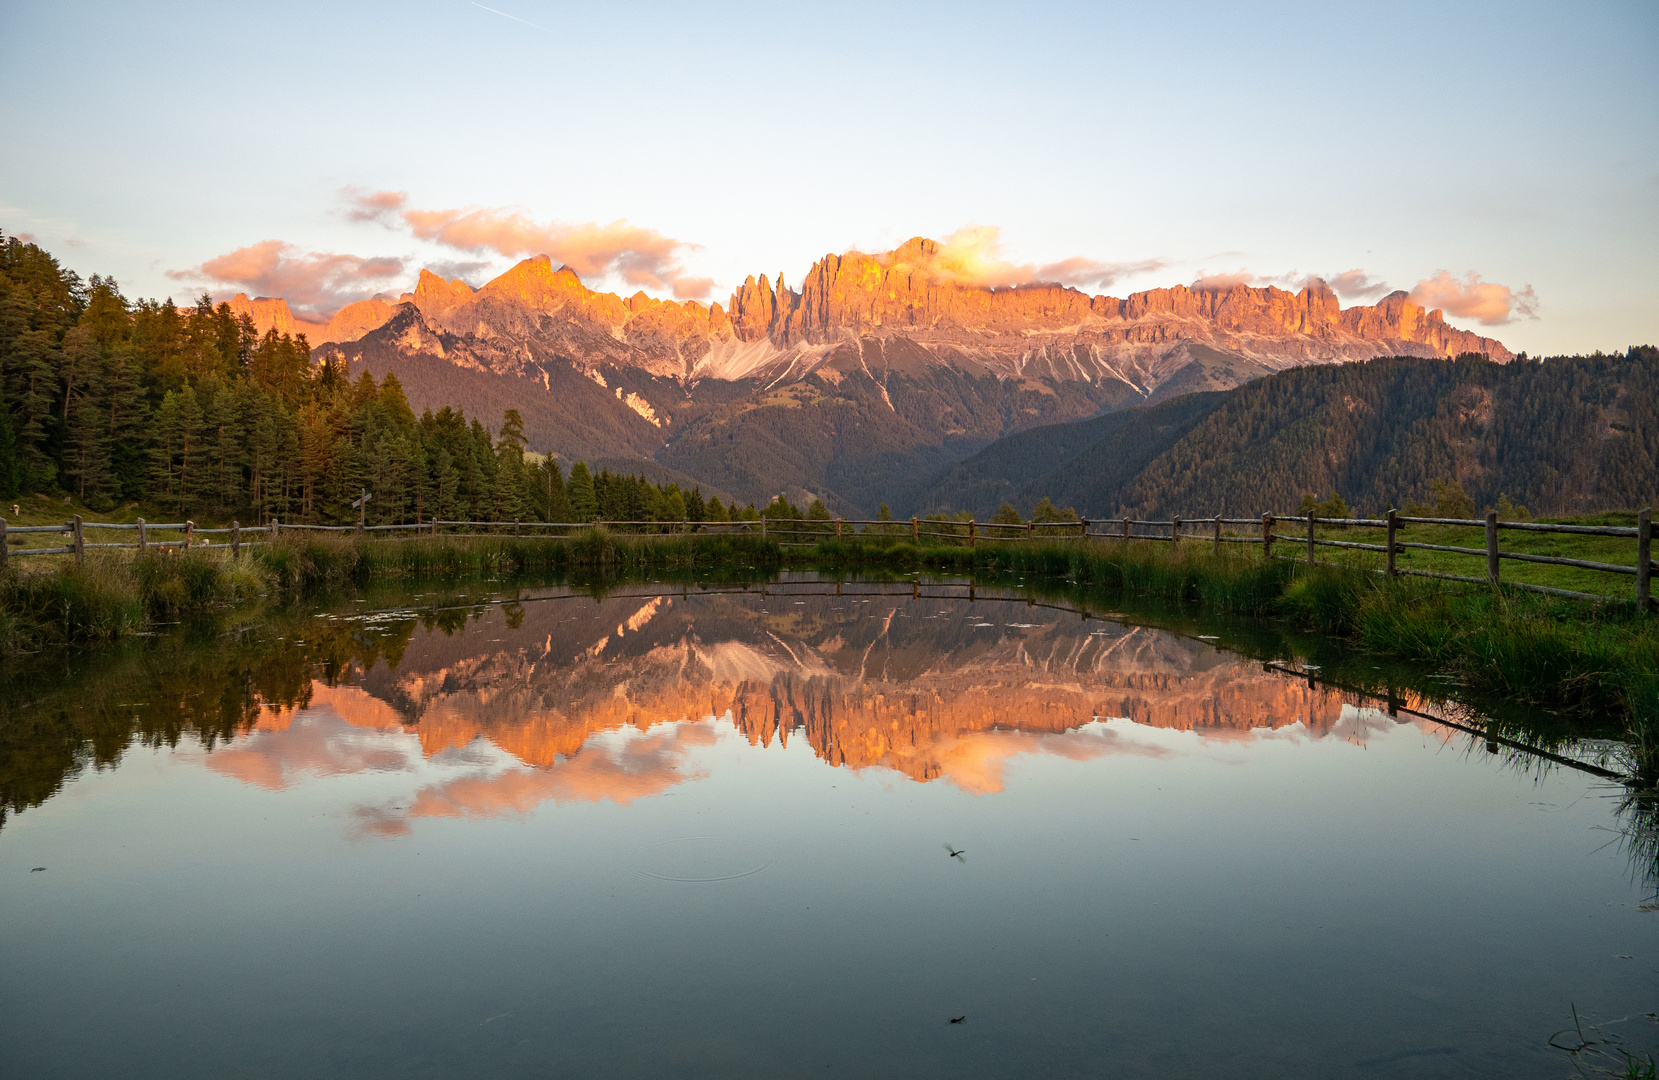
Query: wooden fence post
x=4 y=550
x=1085 y=533
x=235 y=539
x=274 y=528
x=143 y=537
x=838 y=528
x=915 y=530
x=1492 y=546
x=1030 y=530
x=189 y=534
x=1267 y=537
x=1218 y=534
x=973 y=534
x=1175 y=532
x=1644 y=557
x=515 y=528
x=1126 y=530
x=77 y=540
x=1310 y=537
x=1393 y=547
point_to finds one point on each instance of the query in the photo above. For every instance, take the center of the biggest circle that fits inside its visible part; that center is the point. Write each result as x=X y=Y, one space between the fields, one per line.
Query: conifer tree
x=584 y=504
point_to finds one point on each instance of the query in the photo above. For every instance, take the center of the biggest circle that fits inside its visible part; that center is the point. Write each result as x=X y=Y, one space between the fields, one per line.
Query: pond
x=803 y=828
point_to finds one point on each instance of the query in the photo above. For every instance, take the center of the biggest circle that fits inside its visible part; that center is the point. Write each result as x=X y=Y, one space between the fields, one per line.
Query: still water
x=673 y=831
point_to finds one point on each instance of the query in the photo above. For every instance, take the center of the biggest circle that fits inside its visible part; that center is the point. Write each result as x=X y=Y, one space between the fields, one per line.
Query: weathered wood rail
x=1261 y=530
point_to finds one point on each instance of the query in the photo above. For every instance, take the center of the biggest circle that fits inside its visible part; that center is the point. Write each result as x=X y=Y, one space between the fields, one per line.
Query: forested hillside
x=186 y=412
x=1563 y=435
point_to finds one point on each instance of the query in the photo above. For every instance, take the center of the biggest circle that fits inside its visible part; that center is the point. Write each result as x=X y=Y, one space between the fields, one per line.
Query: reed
x=114 y=594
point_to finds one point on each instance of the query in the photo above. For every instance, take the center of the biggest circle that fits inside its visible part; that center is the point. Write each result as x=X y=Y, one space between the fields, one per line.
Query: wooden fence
x=1263 y=530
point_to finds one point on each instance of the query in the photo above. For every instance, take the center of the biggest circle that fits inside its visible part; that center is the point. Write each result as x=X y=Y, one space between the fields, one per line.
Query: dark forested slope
x=1562 y=435
x=1108 y=449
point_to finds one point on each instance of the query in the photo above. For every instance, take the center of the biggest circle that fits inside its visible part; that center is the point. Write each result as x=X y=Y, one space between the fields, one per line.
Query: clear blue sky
x=1515 y=140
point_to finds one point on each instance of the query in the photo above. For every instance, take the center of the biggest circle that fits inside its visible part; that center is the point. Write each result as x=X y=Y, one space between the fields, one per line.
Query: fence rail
x=1173 y=531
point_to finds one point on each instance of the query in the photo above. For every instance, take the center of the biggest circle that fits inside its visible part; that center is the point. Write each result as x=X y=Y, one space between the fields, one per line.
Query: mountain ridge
x=897 y=369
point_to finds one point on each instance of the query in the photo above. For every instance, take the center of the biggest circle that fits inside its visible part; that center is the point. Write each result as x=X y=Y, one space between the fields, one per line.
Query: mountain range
x=877 y=373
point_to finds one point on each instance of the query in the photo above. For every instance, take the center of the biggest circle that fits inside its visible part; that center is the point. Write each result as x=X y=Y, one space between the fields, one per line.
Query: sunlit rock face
x=771 y=330
x=930 y=690
x=877 y=358
x=267 y=313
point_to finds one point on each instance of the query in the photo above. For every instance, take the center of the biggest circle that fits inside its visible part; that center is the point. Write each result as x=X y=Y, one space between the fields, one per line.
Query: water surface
x=676 y=831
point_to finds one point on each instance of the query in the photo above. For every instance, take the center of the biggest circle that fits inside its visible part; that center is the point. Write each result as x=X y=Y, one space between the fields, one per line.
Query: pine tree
x=557 y=506
x=511 y=479
x=11 y=460
x=32 y=385
x=177 y=455
x=126 y=415
x=584 y=504
x=673 y=504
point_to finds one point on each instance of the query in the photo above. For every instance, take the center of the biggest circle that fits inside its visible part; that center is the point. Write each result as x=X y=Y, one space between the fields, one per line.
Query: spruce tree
x=584 y=504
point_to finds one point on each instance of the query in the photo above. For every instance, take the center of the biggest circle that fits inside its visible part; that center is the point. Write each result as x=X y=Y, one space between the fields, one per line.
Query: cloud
x=316 y=743
x=972 y=256
x=639 y=256
x=468 y=270
x=1356 y=283
x=1487 y=302
x=1206 y=282
x=378 y=206
x=1348 y=283
x=622 y=771
x=314 y=283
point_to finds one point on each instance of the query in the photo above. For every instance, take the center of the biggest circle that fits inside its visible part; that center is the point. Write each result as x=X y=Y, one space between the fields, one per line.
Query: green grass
x=1614 y=550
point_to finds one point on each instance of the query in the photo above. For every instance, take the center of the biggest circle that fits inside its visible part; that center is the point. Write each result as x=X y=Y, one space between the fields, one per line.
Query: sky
x=1498 y=160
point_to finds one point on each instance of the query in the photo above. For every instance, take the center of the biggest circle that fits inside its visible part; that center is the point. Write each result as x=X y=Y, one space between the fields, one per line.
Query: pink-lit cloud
x=1206 y=282
x=972 y=256
x=379 y=206
x=637 y=768
x=1487 y=302
x=314 y=283
x=1356 y=283
x=1352 y=284
x=642 y=257
x=316 y=743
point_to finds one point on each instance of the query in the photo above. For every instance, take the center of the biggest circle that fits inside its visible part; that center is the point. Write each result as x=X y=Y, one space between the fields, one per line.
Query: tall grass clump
x=115 y=594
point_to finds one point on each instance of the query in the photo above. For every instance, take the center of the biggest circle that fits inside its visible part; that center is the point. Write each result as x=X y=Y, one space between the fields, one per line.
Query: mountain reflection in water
x=569 y=699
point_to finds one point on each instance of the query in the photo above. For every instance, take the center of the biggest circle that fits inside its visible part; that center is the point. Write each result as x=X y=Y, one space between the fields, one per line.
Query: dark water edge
x=76 y=714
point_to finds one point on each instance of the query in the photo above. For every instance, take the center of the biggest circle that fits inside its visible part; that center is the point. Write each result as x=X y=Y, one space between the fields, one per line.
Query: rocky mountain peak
x=436 y=297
